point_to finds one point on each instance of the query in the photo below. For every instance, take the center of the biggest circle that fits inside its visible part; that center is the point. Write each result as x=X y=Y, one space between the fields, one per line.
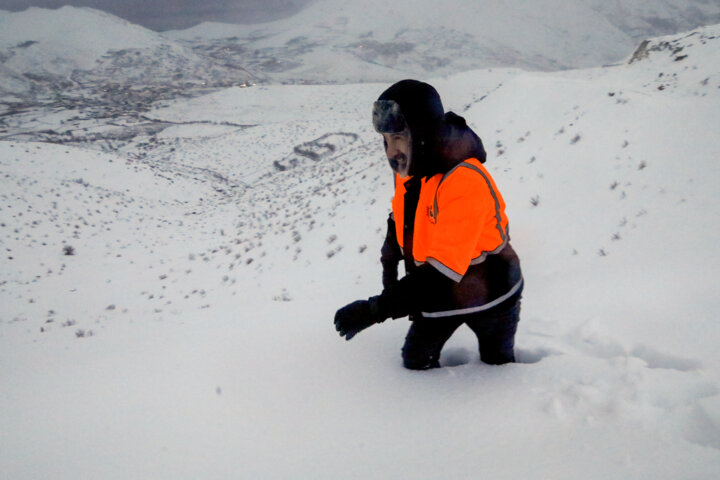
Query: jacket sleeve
x=390 y=255
x=413 y=293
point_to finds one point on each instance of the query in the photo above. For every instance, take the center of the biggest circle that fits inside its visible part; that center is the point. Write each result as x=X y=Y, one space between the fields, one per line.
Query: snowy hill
x=166 y=307
x=72 y=48
x=342 y=41
x=60 y=41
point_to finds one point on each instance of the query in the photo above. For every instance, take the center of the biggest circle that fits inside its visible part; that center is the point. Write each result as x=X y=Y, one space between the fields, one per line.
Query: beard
x=400 y=164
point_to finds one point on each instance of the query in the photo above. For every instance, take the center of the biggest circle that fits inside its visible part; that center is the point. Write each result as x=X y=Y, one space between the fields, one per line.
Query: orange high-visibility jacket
x=460 y=219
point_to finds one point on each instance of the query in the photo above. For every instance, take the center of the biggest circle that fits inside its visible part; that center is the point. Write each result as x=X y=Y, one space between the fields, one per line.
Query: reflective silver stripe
x=465 y=311
x=481 y=258
x=435 y=202
x=452 y=274
x=444 y=269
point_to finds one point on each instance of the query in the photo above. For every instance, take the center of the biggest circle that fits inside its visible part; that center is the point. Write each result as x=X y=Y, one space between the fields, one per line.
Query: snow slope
x=190 y=334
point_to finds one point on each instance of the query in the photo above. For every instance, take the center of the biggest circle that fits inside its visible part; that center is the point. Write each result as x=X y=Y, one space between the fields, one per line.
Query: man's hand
x=357 y=316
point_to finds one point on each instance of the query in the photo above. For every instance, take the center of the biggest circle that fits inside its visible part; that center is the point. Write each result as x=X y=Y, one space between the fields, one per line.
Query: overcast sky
x=176 y=14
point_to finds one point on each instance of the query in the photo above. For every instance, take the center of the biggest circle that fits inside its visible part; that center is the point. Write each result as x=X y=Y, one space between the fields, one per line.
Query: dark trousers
x=495 y=330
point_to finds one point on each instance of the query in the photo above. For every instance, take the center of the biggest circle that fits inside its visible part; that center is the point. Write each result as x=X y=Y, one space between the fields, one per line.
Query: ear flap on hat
x=388 y=118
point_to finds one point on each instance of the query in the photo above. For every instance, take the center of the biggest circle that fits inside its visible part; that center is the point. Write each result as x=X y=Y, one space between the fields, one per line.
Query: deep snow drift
x=166 y=312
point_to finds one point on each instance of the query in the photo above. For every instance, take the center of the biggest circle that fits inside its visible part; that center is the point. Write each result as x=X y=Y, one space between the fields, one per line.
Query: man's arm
x=407 y=296
x=413 y=293
x=390 y=254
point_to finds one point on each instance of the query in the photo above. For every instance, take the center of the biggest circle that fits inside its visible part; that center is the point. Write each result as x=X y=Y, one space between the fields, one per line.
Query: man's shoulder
x=470 y=169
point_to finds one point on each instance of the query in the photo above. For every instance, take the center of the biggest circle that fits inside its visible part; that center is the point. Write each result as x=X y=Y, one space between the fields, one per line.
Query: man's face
x=398 y=149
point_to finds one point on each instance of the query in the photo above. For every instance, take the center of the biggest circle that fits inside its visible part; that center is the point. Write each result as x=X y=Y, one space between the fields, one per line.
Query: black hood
x=439 y=140
x=457 y=142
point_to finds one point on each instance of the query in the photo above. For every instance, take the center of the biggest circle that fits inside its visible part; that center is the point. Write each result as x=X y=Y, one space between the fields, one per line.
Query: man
x=448 y=225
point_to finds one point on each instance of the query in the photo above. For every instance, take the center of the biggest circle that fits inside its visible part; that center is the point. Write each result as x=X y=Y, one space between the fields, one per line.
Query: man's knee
x=424 y=342
x=496 y=336
x=420 y=355
x=498 y=357
x=414 y=359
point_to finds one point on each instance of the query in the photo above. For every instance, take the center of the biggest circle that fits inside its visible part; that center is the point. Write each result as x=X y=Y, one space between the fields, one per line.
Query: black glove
x=357 y=316
x=406 y=296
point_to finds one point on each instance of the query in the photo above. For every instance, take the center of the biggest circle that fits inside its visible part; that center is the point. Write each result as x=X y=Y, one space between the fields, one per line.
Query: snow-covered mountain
x=347 y=41
x=71 y=48
x=166 y=305
x=65 y=72
x=330 y=41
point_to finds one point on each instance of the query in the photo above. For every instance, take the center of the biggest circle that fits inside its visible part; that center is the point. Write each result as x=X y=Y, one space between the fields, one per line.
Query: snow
x=190 y=334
